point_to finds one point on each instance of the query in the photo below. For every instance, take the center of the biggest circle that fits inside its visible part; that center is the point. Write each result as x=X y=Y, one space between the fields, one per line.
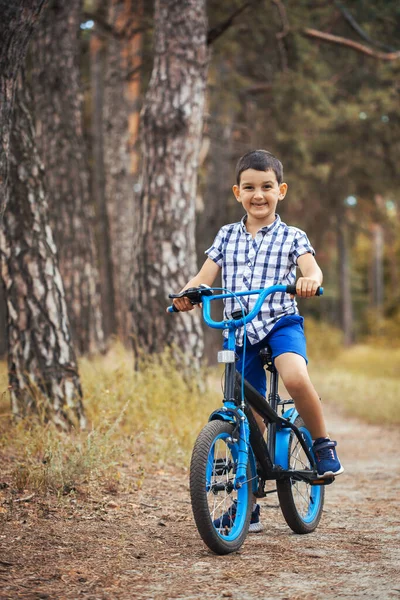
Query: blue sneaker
x=255 y=523
x=328 y=464
x=228 y=519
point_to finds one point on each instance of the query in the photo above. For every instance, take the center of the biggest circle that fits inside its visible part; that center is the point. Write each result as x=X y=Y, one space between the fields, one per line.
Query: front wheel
x=301 y=503
x=221 y=512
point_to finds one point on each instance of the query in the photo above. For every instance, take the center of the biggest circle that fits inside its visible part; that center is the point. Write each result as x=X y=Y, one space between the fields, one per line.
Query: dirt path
x=144 y=545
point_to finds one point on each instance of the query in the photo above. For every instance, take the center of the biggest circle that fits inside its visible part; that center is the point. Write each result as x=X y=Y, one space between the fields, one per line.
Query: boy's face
x=259 y=193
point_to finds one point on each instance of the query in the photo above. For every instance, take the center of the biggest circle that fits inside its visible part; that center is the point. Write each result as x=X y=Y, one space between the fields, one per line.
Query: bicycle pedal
x=323 y=481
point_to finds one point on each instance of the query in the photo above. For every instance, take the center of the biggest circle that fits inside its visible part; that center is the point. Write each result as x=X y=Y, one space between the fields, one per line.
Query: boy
x=257 y=252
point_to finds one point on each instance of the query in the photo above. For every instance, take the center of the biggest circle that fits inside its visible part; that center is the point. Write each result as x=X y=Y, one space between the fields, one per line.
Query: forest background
x=123 y=128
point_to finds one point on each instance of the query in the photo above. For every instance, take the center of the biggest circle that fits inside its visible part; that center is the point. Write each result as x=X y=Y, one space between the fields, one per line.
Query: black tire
x=301 y=503
x=215 y=437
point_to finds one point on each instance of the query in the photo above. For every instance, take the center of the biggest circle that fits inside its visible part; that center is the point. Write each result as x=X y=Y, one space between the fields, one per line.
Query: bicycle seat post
x=273 y=396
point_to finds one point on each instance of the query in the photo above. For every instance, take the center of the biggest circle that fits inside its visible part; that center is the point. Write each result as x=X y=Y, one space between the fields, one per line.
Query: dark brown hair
x=259 y=160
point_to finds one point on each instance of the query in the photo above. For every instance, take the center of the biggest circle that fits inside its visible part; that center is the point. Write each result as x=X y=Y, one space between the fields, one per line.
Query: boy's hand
x=183 y=304
x=306 y=287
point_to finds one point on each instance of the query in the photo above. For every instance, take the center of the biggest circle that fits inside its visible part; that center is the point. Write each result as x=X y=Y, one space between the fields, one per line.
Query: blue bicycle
x=231 y=461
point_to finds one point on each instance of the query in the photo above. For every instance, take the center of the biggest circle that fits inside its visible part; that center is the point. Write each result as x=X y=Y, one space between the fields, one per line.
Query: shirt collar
x=264 y=230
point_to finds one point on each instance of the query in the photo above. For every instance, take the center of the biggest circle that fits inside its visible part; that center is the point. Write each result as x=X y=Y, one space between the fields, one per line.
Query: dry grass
x=143 y=417
x=151 y=415
x=363 y=380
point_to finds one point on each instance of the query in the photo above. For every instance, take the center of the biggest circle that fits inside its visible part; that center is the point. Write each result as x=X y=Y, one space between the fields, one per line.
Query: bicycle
x=231 y=461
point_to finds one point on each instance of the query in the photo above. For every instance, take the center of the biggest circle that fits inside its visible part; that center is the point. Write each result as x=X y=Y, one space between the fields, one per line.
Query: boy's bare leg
x=293 y=370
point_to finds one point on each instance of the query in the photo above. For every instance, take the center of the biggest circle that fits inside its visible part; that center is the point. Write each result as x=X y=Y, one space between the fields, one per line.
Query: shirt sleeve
x=216 y=250
x=301 y=245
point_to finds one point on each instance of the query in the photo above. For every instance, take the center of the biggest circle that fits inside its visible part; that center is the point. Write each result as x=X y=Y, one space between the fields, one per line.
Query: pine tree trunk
x=345 y=298
x=3 y=320
x=122 y=89
x=172 y=117
x=17 y=21
x=377 y=278
x=212 y=215
x=57 y=98
x=97 y=65
x=43 y=373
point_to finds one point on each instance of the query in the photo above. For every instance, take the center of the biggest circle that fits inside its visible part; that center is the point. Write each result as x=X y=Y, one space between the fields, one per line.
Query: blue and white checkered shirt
x=268 y=259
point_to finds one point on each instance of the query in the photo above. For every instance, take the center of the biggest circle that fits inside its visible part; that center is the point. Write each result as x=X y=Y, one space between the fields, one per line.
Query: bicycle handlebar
x=205 y=296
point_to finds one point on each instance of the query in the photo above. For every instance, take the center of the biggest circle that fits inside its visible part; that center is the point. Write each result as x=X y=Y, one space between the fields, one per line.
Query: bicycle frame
x=268 y=461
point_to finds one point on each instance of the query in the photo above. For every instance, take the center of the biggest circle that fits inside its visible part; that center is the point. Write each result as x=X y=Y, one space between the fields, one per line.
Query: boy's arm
x=207 y=275
x=311 y=279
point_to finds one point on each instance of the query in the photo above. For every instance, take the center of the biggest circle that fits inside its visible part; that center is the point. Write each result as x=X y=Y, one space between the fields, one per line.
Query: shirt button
x=249 y=264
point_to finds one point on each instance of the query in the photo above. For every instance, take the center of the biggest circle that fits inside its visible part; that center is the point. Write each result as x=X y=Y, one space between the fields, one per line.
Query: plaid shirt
x=268 y=259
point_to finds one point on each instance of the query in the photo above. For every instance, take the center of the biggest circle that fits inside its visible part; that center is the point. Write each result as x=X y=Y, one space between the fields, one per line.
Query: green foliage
x=330 y=113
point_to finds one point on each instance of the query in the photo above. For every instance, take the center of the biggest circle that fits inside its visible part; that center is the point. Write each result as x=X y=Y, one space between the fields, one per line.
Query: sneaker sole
x=255 y=527
x=330 y=473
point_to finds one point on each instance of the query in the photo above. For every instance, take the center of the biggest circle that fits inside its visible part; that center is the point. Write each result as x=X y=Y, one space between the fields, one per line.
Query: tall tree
x=164 y=245
x=43 y=373
x=17 y=23
x=55 y=51
x=97 y=66
x=122 y=98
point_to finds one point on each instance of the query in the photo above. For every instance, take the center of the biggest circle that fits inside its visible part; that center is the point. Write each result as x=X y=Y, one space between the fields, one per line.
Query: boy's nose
x=258 y=194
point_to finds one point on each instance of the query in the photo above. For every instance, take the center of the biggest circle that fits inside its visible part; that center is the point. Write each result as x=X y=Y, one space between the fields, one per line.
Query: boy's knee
x=297 y=383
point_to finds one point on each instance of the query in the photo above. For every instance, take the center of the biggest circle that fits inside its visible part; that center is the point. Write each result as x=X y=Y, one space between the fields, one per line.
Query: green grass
x=150 y=415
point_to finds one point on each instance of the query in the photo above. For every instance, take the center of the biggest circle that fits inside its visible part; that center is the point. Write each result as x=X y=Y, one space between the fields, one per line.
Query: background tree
x=57 y=94
x=98 y=53
x=17 y=23
x=120 y=124
x=327 y=110
x=42 y=367
x=164 y=243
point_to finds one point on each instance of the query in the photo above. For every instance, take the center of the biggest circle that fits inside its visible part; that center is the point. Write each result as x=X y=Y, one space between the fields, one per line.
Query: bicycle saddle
x=266 y=357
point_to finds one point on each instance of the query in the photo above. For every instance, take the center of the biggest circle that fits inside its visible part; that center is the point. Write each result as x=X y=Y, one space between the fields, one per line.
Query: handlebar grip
x=291 y=289
x=172 y=309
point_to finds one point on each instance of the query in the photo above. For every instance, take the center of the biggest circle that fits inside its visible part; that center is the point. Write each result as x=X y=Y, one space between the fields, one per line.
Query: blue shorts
x=287 y=335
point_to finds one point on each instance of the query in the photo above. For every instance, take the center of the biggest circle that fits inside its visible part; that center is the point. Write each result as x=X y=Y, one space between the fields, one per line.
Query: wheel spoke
x=300 y=501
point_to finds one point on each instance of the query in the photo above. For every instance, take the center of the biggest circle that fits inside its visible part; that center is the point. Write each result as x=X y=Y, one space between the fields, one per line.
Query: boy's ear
x=282 y=190
x=236 y=192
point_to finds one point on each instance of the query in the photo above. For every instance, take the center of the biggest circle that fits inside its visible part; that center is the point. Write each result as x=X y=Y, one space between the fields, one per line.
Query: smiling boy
x=255 y=253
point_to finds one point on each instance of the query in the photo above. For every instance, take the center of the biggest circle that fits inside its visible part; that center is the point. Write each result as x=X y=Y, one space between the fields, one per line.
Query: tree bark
x=97 y=65
x=212 y=214
x=18 y=19
x=377 y=279
x=57 y=96
x=122 y=97
x=346 y=305
x=3 y=320
x=172 y=117
x=43 y=373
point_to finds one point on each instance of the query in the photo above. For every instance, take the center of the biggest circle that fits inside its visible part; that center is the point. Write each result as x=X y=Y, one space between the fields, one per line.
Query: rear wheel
x=221 y=512
x=301 y=503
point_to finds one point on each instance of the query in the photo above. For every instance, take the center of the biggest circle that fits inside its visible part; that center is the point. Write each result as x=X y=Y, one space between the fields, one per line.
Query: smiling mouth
x=255 y=204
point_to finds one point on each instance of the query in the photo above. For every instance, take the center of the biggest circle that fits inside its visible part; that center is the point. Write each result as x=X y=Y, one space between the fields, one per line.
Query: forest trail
x=144 y=544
